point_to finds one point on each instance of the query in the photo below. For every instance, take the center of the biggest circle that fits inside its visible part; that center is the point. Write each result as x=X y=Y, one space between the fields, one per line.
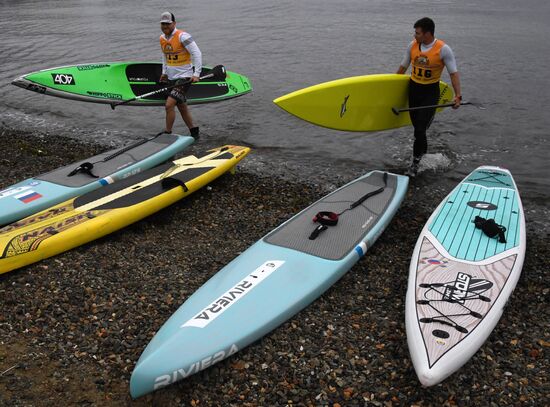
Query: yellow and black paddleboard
x=359 y=103
x=103 y=211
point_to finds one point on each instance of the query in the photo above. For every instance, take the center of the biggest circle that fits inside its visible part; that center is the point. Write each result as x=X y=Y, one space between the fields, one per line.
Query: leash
x=328 y=218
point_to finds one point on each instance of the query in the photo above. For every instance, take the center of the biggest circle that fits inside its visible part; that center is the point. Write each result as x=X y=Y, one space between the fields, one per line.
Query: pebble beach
x=73 y=326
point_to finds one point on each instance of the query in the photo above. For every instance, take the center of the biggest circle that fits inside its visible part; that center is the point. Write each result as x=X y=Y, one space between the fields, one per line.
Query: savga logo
x=63 y=79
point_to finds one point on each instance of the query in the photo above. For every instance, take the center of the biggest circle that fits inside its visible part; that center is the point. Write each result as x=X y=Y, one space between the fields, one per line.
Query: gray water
x=501 y=48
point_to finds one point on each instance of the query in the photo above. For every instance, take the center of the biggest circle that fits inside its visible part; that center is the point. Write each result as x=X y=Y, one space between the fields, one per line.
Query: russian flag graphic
x=28 y=196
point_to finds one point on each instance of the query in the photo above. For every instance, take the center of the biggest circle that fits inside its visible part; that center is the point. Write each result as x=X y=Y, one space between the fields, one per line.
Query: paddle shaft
x=202 y=159
x=396 y=111
x=218 y=72
x=129 y=147
x=88 y=166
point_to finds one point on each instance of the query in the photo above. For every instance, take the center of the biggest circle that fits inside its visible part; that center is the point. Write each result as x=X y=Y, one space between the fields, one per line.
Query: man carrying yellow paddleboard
x=428 y=57
x=181 y=61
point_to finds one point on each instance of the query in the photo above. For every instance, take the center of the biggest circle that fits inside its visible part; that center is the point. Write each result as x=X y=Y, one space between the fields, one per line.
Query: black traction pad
x=122 y=184
x=150 y=72
x=155 y=189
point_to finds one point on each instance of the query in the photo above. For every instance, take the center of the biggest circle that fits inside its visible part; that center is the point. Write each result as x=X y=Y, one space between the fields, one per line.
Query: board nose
x=20 y=82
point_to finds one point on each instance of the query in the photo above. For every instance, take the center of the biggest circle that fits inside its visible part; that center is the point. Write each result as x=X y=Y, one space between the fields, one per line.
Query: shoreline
x=73 y=326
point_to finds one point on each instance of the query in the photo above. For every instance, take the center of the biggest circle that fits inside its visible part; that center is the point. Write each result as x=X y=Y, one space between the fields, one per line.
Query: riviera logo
x=231 y=296
x=165 y=380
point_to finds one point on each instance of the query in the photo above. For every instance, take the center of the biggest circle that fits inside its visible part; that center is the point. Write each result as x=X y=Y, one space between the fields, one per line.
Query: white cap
x=167 y=17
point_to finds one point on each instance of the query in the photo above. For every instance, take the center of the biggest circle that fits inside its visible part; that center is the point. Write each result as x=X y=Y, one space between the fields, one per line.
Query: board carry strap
x=174 y=181
x=327 y=218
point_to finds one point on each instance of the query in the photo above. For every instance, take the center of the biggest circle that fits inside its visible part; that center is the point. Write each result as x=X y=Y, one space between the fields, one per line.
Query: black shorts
x=179 y=92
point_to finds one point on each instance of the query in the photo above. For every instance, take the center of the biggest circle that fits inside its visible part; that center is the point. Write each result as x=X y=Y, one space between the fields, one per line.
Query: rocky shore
x=73 y=326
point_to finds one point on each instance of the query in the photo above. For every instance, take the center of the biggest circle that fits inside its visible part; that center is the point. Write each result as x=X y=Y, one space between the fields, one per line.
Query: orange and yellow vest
x=176 y=54
x=427 y=66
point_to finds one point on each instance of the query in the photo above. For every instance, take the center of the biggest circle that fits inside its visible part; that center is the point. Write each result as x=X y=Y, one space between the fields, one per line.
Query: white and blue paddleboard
x=269 y=282
x=36 y=194
x=460 y=278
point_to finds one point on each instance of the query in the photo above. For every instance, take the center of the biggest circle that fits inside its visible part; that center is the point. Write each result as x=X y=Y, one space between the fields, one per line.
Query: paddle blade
x=218 y=73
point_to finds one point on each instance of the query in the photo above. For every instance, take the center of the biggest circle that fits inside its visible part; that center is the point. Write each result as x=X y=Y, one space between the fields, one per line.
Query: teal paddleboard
x=270 y=282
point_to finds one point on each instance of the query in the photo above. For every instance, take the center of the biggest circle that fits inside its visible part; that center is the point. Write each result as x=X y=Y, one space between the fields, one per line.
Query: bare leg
x=170 y=113
x=186 y=115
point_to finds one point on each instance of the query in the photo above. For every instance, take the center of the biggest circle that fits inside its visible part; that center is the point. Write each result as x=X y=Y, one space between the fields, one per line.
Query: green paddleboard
x=112 y=82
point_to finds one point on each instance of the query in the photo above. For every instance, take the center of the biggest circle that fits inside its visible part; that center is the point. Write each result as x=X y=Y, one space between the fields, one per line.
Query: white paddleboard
x=460 y=278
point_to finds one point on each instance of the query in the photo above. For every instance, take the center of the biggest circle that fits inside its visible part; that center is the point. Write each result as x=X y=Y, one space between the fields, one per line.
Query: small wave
x=437 y=162
x=48 y=125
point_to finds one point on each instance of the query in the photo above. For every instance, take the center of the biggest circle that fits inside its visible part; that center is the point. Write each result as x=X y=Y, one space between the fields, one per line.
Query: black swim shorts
x=178 y=93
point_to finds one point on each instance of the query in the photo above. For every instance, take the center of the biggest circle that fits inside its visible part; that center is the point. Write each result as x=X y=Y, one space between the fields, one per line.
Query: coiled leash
x=327 y=218
x=490 y=228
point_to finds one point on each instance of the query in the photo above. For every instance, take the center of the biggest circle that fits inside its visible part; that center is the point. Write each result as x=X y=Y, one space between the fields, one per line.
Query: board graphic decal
x=452 y=297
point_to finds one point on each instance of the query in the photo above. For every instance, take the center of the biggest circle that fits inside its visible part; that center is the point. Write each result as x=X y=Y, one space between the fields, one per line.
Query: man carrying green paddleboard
x=428 y=57
x=181 y=62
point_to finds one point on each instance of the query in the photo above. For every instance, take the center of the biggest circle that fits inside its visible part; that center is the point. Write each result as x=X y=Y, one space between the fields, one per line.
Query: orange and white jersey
x=181 y=57
x=429 y=60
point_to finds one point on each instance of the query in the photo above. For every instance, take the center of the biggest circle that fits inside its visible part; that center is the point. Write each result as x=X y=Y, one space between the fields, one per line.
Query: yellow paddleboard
x=359 y=103
x=98 y=213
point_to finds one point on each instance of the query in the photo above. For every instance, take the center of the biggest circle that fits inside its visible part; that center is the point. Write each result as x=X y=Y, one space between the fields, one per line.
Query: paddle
x=396 y=110
x=217 y=73
x=192 y=160
x=87 y=166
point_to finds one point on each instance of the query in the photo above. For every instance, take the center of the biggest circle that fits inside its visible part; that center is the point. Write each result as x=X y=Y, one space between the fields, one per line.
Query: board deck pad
x=143 y=79
x=335 y=243
x=460 y=278
x=453 y=225
x=150 y=191
x=113 y=82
